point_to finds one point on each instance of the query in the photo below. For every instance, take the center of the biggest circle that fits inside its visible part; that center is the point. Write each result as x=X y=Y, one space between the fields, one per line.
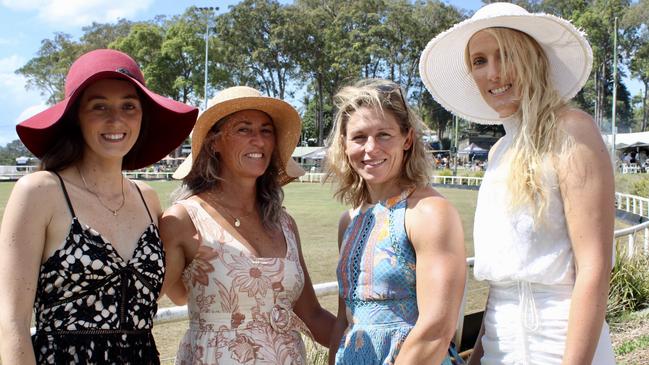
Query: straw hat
x=169 y=121
x=445 y=74
x=286 y=121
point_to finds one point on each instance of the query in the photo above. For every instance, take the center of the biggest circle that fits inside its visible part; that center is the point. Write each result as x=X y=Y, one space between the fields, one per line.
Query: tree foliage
x=310 y=48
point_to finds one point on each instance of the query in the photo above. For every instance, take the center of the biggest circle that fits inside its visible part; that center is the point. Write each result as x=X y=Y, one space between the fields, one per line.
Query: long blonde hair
x=539 y=136
x=384 y=96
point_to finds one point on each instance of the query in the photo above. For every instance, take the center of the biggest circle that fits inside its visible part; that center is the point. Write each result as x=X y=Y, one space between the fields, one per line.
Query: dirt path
x=633 y=329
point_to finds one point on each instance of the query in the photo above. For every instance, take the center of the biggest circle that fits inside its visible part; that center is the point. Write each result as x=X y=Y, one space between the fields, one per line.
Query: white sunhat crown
x=445 y=74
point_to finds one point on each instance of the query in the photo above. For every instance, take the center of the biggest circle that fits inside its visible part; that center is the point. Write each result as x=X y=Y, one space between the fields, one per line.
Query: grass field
x=316 y=214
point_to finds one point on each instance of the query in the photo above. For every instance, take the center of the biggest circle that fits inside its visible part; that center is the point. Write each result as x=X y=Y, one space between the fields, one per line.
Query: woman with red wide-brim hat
x=79 y=241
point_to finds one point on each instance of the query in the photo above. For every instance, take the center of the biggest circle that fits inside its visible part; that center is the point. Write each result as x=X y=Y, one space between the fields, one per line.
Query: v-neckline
x=108 y=246
x=242 y=241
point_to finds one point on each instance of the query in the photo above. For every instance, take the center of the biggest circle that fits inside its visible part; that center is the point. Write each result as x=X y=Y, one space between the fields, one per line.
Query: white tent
x=472 y=148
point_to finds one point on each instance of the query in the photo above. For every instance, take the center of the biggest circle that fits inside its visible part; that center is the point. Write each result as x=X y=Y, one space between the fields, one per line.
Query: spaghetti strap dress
x=240 y=305
x=530 y=268
x=92 y=306
x=376 y=278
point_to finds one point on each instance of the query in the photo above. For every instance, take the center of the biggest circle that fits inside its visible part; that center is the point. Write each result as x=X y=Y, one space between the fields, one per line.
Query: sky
x=25 y=23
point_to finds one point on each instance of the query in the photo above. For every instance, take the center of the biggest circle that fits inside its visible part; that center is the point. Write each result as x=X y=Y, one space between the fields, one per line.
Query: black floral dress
x=93 y=307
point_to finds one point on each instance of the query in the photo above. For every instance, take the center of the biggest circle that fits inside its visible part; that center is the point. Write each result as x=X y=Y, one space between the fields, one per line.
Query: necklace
x=236 y=220
x=114 y=211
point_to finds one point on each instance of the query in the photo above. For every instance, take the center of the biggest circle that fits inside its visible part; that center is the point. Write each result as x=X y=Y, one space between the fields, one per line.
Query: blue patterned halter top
x=376 y=278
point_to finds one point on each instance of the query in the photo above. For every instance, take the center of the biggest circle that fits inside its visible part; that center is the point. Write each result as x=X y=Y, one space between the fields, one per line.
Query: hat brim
x=286 y=122
x=170 y=122
x=444 y=72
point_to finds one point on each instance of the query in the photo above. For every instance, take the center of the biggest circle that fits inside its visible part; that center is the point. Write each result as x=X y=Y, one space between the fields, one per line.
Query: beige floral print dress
x=240 y=305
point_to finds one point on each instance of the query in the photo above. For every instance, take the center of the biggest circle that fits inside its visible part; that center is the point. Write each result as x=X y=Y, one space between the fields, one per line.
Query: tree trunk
x=319 y=123
x=644 y=106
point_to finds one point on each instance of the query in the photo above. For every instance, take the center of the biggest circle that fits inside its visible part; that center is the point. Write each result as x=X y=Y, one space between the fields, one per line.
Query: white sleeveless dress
x=530 y=270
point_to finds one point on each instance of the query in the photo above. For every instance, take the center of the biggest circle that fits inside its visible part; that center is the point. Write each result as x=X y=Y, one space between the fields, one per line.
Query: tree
x=100 y=35
x=11 y=151
x=254 y=46
x=637 y=16
x=431 y=18
x=46 y=72
x=321 y=43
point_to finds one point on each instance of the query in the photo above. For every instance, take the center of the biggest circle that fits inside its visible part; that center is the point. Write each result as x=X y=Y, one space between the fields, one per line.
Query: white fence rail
x=632 y=204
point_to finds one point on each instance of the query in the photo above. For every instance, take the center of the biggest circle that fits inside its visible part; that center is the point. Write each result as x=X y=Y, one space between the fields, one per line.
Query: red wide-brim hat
x=169 y=121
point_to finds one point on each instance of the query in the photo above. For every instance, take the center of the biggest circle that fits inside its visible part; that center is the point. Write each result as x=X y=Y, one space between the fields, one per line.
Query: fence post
x=631 y=245
x=646 y=241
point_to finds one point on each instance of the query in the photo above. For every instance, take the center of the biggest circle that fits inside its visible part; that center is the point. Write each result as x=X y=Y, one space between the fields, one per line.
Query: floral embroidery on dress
x=241 y=305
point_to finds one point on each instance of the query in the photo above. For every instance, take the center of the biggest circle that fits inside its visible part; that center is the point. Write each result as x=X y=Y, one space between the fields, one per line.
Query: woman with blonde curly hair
x=401 y=268
x=544 y=220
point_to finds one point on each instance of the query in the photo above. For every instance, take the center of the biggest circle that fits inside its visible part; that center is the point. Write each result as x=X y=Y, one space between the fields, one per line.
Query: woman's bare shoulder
x=38 y=184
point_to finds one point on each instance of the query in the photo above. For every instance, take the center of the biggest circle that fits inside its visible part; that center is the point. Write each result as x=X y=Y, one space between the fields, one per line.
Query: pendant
x=114 y=213
x=237 y=222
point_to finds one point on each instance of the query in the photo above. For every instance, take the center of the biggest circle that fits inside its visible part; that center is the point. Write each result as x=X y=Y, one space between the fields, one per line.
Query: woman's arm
x=22 y=242
x=319 y=320
x=179 y=237
x=435 y=230
x=338 y=330
x=341 y=319
x=587 y=188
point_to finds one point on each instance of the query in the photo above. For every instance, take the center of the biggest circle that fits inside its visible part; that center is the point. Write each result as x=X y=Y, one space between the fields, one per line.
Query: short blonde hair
x=384 y=96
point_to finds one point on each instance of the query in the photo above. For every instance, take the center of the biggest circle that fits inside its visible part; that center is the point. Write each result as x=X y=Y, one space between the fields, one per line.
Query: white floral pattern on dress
x=240 y=306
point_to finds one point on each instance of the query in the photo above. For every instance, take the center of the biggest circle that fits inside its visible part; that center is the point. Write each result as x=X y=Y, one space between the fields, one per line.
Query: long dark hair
x=68 y=149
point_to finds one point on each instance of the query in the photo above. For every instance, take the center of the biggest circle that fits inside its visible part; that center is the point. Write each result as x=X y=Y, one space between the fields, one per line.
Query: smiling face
x=110 y=117
x=245 y=144
x=499 y=91
x=375 y=147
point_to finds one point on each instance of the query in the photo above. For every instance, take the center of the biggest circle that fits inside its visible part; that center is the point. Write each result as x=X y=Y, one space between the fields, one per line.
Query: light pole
x=208 y=11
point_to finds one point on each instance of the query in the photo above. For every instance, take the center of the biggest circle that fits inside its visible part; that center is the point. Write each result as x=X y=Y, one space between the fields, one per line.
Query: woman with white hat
x=232 y=251
x=543 y=227
x=79 y=241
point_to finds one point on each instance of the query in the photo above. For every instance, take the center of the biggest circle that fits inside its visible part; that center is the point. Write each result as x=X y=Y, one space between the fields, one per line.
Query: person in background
x=233 y=252
x=80 y=241
x=401 y=270
x=544 y=219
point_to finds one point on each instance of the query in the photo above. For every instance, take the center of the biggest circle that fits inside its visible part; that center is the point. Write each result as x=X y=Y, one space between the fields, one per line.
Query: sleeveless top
x=240 y=305
x=376 y=279
x=508 y=246
x=92 y=306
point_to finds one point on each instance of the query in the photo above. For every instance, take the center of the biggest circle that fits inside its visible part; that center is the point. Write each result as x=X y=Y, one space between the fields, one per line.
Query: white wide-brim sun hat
x=446 y=76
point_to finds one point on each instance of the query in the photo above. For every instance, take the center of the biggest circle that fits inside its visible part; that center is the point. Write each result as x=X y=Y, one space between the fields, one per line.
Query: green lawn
x=316 y=214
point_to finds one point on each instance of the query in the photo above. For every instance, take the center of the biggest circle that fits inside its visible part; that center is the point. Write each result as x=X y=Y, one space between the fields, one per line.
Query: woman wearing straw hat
x=79 y=241
x=543 y=227
x=401 y=270
x=234 y=246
